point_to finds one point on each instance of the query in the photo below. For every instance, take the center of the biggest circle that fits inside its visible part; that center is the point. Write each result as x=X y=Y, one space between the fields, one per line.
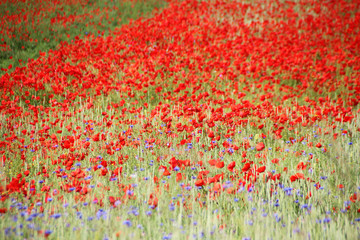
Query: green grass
x=253 y=214
x=25 y=40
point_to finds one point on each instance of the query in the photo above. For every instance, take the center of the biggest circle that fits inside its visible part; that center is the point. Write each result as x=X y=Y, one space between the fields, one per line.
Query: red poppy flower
x=296 y=177
x=246 y=167
x=260 y=146
x=219 y=164
x=261 y=169
x=200 y=183
x=178 y=177
x=231 y=166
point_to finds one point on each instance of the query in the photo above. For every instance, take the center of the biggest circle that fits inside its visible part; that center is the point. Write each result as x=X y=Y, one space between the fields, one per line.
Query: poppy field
x=180 y=119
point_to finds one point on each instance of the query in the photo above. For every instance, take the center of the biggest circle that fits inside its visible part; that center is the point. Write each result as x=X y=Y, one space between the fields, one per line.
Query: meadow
x=180 y=119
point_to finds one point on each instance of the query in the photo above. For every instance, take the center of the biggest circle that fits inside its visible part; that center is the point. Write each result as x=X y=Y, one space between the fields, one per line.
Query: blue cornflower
x=127 y=223
x=56 y=215
x=79 y=215
x=7 y=231
x=305 y=206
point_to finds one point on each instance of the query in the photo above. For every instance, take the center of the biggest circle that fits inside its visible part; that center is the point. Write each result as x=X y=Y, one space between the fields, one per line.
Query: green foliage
x=40 y=30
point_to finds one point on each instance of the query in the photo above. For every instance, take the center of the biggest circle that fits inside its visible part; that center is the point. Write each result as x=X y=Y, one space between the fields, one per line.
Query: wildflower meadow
x=180 y=119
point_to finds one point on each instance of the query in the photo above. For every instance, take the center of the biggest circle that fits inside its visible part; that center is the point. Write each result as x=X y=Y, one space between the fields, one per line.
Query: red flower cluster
x=182 y=82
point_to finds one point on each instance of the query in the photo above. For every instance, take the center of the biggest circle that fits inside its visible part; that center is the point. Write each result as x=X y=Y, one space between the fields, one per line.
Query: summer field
x=180 y=119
